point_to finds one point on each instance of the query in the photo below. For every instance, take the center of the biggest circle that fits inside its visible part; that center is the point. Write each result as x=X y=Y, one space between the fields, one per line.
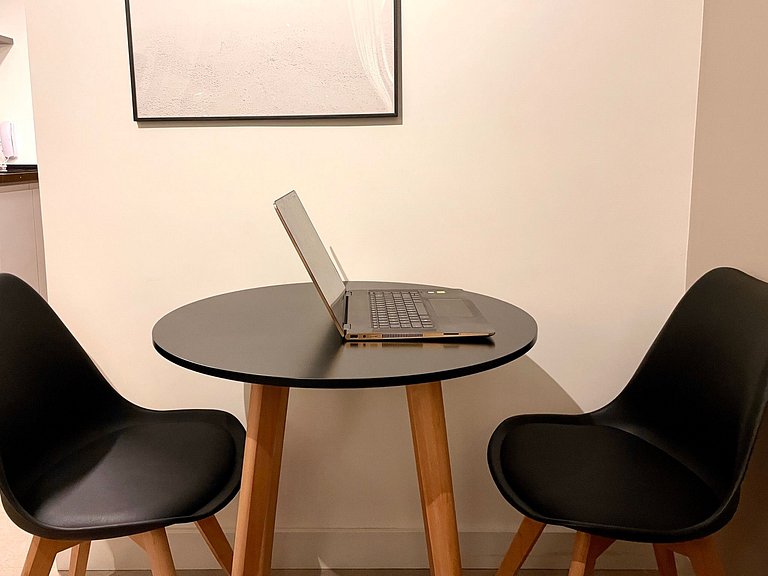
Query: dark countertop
x=18 y=176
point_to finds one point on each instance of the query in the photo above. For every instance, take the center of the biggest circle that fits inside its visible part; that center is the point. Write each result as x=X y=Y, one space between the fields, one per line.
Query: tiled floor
x=13 y=546
x=465 y=573
x=384 y=573
x=14 y=543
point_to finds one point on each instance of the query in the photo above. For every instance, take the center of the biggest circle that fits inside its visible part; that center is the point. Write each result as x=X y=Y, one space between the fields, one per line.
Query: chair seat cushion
x=141 y=476
x=598 y=479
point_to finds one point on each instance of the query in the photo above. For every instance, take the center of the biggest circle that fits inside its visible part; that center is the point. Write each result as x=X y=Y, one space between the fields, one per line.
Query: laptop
x=392 y=314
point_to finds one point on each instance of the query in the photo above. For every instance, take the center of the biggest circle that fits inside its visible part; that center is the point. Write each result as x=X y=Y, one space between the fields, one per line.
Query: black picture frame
x=172 y=107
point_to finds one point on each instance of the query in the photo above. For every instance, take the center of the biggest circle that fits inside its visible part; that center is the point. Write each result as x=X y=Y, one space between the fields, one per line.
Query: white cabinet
x=21 y=234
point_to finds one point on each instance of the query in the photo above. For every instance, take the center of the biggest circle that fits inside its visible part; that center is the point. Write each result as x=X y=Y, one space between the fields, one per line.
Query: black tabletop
x=283 y=336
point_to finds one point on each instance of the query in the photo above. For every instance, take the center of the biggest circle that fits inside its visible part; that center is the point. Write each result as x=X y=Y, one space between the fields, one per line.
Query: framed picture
x=263 y=59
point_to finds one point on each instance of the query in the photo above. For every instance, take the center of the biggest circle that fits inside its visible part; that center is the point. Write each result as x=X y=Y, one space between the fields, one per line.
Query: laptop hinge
x=346 y=327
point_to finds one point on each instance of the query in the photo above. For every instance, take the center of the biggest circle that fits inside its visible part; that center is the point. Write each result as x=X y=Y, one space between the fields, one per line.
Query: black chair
x=664 y=461
x=78 y=462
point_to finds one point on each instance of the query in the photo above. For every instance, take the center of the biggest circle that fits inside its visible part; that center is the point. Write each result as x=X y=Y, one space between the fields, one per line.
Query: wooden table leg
x=433 y=466
x=265 y=430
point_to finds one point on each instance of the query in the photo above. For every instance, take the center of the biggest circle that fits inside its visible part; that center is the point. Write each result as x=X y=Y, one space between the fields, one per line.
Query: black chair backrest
x=701 y=389
x=50 y=390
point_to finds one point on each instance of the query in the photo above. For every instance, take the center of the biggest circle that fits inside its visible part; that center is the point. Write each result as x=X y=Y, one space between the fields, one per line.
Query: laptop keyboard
x=398 y=309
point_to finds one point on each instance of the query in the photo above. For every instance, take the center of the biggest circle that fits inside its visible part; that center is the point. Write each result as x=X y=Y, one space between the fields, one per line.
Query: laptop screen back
x=313 y=253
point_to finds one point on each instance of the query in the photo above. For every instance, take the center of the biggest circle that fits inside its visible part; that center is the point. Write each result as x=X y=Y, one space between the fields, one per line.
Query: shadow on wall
x=474 y=406
x=348 y=456
x=743 y=541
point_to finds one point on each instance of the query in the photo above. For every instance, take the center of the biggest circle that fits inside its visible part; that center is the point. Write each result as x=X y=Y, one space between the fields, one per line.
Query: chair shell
x=663 y=462
x=78 y=462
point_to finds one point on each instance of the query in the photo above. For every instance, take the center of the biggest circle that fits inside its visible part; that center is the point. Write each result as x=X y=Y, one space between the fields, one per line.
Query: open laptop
x=397 y=314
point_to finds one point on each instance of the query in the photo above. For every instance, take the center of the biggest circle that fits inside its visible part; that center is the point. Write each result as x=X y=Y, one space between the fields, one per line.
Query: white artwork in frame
x=263 y=59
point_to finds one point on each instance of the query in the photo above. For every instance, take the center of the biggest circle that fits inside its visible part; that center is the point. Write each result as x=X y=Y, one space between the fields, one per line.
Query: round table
x=279 y=337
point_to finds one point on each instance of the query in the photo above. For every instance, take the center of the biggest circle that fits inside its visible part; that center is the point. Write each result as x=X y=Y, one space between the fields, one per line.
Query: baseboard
x=364 y=548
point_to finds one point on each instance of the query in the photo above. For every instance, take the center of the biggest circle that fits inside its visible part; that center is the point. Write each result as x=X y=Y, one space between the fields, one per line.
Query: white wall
x=549 y=144
x=729 y=205
x=15 y=88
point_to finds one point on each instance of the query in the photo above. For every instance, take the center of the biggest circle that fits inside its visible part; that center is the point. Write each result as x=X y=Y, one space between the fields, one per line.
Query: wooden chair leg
x=521 y=546
x=597 y=545
x=78 y=561
x=155 y=544
x=665 y=560
x=586 y=550
x=217 y=541
x=703 y=556
x=41 y=555
x=580 y=555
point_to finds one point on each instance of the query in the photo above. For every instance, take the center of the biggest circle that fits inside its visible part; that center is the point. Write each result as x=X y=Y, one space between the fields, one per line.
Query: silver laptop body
x=396 y=314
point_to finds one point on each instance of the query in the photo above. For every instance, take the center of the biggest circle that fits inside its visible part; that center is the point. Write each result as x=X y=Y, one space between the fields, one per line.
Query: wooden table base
x=267 y=411
x=265 y=430
x=433 y=466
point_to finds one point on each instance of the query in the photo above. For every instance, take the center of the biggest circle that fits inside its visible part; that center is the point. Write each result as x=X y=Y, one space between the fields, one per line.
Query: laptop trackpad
x=451 y=307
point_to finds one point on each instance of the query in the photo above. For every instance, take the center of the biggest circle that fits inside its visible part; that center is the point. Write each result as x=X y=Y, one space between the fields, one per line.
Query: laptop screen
x=313 y=253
